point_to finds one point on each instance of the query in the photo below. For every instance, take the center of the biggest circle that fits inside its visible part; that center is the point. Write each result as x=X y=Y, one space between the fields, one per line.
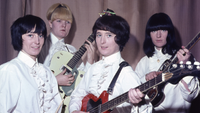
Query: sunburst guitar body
x=64 y=60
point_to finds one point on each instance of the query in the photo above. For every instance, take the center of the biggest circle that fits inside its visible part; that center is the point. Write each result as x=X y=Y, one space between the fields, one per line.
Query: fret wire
x=76 y=57
x=120 y=99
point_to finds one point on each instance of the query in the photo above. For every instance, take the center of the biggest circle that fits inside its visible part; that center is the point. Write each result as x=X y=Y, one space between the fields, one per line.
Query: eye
x=98 y=35
x=58 y=20
x=68 y=22
x=30 y=35
x=109 y=35
x=41 y=36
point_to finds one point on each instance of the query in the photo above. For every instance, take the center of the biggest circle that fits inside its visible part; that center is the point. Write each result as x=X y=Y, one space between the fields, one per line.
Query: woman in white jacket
x=160 y=45
x=27 y=86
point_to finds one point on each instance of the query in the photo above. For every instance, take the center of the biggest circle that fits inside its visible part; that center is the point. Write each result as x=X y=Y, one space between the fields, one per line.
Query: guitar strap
x=112 y=84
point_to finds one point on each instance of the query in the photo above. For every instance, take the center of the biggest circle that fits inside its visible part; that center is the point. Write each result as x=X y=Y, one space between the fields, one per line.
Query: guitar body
x=58 y=63
x=90 y=101
x=156 y=94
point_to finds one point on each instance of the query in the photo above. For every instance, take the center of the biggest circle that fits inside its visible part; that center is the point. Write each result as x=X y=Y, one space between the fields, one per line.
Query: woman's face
x=60 y=28
x=106 y=43
x=159 y=38
x=32 y=43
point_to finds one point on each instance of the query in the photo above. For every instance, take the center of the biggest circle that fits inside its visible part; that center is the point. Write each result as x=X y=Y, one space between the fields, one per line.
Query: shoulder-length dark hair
x=24 y=25
x=160 y=21
x=115 y=24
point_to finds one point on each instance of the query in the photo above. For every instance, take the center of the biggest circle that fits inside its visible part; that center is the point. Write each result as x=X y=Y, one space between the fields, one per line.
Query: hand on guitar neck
x=65 y=80
x=135 y=96
x=183 y=55
x=90 y=55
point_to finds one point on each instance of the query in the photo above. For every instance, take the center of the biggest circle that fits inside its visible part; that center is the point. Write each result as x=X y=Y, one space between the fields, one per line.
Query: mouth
x=63 y=30
x=104 y=47
x=158 y=40
x=36 y=48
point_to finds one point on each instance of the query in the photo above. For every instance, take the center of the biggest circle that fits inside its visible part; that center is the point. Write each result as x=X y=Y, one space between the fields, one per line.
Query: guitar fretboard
x=75 y=59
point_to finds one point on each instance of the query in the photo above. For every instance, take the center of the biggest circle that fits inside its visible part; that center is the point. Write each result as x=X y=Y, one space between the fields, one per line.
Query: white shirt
x=98 y=78
x=59 y=45
x=177 y=97
x=27 y=86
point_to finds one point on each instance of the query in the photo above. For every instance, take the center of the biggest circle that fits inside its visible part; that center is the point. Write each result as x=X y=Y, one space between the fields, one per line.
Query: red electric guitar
x=101 y=105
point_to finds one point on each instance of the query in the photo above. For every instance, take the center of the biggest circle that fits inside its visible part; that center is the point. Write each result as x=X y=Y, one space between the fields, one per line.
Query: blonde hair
x=59 y=11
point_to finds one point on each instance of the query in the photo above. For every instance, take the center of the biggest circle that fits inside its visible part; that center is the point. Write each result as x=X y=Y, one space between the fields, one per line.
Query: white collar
x=112 y=58
x=54 y=39
x=157 y=51
x=25 y=58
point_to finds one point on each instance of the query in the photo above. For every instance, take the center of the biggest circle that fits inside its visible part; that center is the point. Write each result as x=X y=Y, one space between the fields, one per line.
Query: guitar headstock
x=178 y=71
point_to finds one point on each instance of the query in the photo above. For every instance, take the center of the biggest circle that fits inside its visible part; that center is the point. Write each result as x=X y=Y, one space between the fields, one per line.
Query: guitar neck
x=124 y=97
x=193 y=41
x=188 y=46
x=75 y=59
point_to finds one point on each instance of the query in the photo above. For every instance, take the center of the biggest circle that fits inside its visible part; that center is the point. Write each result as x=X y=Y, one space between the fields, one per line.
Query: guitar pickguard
x=90 y=101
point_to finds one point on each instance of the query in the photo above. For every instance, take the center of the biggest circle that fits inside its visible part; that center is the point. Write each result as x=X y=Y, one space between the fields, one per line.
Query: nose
x=37 y=39
x=64 y=23
x=103 y=39
x=158 y=33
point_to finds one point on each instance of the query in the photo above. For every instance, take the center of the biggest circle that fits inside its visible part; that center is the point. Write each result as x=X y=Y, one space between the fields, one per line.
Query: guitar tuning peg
x=197 y=65
x=188 y=63
x=181 y=64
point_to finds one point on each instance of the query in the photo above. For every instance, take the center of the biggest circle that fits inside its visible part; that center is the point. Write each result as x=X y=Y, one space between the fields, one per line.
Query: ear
x=50 y=24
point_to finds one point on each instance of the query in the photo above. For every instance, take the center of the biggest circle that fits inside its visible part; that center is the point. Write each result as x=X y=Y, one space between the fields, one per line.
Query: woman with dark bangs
x=111 y=35
x=27 y=86
x=160 y=45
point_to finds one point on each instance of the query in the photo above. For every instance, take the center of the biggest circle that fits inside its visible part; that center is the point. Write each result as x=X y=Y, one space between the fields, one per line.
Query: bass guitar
x=101 y=105
x=156 y=94
x=64 y=60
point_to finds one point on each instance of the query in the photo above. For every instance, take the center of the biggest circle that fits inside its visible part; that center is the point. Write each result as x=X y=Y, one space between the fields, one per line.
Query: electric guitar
x=64 y=60
x=155 y=94
x=101 y=105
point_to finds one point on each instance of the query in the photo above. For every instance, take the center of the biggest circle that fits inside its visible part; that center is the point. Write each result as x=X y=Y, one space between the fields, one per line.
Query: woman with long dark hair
x=160 y=45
